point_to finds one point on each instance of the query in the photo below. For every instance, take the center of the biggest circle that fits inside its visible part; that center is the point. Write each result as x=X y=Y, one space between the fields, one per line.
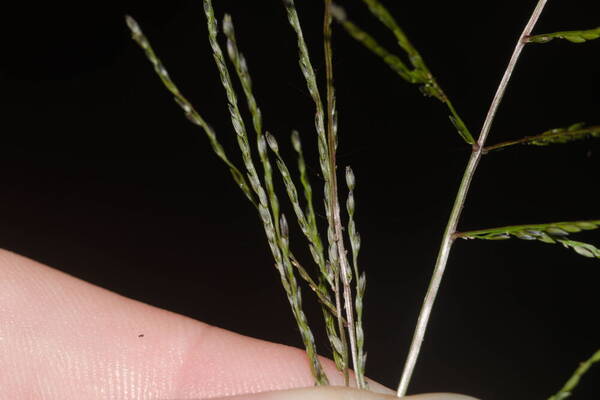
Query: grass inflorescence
x=335 y=278
x=340 y=303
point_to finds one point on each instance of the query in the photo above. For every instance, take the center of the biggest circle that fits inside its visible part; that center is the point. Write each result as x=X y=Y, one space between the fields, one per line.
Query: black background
x=103 y=178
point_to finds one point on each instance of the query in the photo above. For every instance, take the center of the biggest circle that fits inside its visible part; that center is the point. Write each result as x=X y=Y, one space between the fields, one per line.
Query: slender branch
x=334 y=206
x=191 y=114
x=509 y=70
x=322 y=145
x=548 y=138
x=419 y=74
x=332 y=186
x=573 y=381
x=318 y=290
x=459 y=202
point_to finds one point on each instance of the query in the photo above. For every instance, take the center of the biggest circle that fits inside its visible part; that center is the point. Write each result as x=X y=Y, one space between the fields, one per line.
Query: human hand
x=63 y=338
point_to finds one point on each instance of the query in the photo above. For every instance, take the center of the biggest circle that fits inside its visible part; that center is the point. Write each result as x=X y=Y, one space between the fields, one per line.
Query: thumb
x=340 y=393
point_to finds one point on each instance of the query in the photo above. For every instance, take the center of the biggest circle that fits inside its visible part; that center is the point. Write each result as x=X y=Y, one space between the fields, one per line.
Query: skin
x=63 y=338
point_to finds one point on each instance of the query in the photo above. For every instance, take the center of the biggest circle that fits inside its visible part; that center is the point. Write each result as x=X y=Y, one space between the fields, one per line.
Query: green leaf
x=461 y=128
x=555 y=232
x=571 y=36
x=569 y=134
x=573 y=381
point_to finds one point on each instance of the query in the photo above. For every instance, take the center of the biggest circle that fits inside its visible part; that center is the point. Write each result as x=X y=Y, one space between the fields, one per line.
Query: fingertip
x=341 y=393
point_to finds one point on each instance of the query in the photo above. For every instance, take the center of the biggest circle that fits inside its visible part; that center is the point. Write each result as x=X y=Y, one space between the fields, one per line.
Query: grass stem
x=334 y=207
x=459 y=202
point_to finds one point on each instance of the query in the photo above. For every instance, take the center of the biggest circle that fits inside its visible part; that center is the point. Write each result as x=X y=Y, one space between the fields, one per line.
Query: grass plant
x=336 y=278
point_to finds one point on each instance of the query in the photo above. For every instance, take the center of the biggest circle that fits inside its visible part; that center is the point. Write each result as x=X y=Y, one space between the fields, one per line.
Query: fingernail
x=340 y=393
